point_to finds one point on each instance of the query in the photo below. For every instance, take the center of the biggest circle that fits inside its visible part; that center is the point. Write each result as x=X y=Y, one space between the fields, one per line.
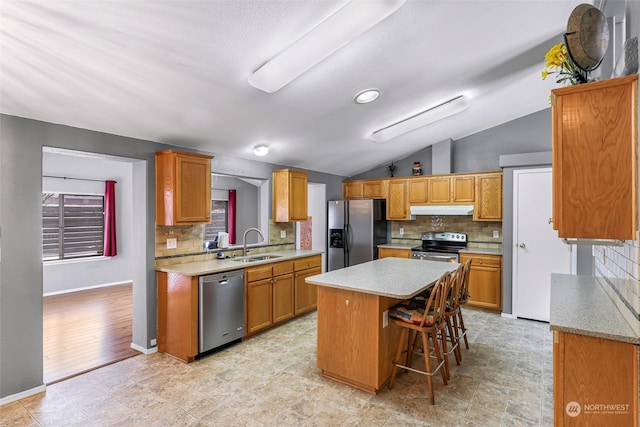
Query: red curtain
x=232 y=217
x=110 y=247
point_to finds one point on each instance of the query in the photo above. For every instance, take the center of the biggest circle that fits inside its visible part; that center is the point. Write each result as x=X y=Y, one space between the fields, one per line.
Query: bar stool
x=463 y=299
x=425 y=319
x=452 y=312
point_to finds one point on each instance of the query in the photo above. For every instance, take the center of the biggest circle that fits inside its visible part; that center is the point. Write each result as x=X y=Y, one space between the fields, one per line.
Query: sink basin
x=264 y=257
x=256 y=258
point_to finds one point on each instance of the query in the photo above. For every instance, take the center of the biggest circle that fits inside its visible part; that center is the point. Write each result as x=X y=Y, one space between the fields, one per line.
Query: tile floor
x=505 y=379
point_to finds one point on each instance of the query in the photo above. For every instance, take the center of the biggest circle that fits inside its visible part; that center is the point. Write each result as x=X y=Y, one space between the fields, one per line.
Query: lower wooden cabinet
x=595 y=381
x=394 y=252
x=485 y=280
x=268 y=295
x=306 y=294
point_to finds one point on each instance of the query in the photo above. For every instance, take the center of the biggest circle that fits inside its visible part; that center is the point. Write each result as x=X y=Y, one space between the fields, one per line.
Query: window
x=72 y=226
x=219 y=219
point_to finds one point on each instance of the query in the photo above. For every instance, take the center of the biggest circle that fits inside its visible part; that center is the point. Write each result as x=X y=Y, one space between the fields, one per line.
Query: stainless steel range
x=442 y=246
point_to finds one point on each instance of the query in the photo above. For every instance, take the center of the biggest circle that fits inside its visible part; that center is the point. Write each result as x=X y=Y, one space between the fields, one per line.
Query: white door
x=538 y=251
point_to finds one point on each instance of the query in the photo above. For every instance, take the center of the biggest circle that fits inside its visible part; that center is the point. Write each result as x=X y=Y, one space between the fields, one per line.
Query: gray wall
x=21 y=284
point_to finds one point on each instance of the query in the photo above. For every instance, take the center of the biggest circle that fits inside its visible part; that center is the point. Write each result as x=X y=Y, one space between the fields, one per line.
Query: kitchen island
x=356 y=344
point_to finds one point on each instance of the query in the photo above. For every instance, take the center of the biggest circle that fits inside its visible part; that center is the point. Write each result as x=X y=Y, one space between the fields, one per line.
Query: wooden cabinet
x=440 y=190
x=183 y=188
x=306 y=294
x=585 y=392
x=268 y=295
x=488 y=205
x=418 y=190
x=289 y=195
x=354 y=346
x=394 y=252
x=365 y=189
x=397 y=200
x=463 y=189
x=595 y=138
x=485 y=280
x=178 y=315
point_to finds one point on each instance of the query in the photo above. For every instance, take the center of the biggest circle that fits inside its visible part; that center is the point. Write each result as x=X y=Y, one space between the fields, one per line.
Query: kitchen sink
x=256 y=258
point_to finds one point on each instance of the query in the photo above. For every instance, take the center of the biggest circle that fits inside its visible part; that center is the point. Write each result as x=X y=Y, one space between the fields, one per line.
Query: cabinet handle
x=346 y=302
x=479 y=261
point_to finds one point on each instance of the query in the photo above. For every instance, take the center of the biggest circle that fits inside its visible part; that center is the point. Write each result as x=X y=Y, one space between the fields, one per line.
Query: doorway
x=311 y=233
x=537 y=250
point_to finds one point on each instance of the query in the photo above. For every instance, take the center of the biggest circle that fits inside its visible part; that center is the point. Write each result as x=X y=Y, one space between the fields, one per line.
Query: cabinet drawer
x=394 y=252
x=482 y=260
x=304 y=263
x=283 y=267
x=258 y=273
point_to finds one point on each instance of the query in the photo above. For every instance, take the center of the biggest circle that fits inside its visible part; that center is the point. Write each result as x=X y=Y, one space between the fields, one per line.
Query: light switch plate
x=283 y=234
x=172 y=243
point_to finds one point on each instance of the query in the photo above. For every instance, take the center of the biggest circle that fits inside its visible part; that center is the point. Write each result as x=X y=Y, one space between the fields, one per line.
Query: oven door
x=435 y=256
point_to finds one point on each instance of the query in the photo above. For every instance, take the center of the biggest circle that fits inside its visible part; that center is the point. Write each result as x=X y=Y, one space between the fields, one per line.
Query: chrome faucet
x=244 y=239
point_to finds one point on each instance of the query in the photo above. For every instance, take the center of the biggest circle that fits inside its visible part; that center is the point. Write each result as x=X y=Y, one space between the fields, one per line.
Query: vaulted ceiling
x=176 y=72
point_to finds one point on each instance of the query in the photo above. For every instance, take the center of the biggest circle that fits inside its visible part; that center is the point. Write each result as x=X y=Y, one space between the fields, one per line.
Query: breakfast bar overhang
x=355 y=340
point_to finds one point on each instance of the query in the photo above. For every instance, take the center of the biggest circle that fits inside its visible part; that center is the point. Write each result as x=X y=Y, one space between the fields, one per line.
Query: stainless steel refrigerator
x=355 y=229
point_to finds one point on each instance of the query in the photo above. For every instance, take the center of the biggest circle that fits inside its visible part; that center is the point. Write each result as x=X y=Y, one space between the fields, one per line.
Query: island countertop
x=580 y=306
x=398 y=278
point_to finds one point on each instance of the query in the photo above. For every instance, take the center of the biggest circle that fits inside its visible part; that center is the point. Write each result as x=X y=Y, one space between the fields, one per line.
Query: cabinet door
x=419 y=190
x=485 y=279
x=393 y=252
x=463 y=189
x=595 y=138
x=488 y=206
x=306 y=297
x=298 y=199
x=440 y=189
x=353 y=190
x=259 y=305
x=282 y=298
x=193 y=192
x=375 y=189
x=397 y=206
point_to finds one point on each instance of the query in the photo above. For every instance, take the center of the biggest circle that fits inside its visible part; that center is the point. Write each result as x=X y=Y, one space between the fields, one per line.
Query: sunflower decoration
x=559 y=62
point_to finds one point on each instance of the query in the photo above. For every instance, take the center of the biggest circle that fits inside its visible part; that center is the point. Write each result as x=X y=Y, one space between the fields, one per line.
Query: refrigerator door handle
x=347 y=232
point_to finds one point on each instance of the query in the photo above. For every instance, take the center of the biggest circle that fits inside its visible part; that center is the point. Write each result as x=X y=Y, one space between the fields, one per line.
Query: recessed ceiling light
x=366 y=96
x=261 y=150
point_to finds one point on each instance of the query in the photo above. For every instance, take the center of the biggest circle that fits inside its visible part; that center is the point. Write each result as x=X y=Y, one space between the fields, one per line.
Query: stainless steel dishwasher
x=221 y=311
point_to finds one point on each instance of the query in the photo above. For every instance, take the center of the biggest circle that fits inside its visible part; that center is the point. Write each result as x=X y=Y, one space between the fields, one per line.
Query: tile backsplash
x=479 y=233
x=617 y=269
x=190 y=243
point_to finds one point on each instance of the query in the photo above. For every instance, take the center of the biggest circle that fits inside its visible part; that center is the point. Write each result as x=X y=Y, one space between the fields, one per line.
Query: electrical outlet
x=401 y=231
x=496 y=234
x=172 y=243
x=283 y=234
x=154 y=342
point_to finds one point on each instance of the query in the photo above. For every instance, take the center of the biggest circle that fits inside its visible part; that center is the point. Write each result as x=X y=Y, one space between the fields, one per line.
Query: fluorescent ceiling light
x=261 y=150
x=366 y=96
x=433 y=114
x=348 y=22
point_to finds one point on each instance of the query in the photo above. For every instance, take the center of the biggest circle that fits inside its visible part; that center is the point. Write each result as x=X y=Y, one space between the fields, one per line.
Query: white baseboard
x=22 y=394
x=508 y=315
x=144 y=350
x=103 y=285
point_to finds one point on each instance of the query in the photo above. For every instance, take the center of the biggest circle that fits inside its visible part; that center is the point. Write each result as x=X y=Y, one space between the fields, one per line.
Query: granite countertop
x=212 y=266
x=580 y=306
x=399 y=278
x=485 y=251
x=397 y=246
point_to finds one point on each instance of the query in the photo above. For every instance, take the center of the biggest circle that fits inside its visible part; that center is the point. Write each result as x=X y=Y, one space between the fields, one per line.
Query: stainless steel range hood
x=441 y=210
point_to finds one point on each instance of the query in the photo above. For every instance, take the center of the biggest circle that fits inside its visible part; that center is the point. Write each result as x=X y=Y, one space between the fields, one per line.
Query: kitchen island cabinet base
x=354 y=346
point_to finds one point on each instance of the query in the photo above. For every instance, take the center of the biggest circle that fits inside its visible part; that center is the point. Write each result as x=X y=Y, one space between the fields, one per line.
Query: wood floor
x=85 y=330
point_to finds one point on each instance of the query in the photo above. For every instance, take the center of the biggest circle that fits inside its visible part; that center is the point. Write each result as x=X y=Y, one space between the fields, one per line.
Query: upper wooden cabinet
x=595 y=138
x=463 y=189
x=440 y=189
x=289 y=195
x=397 y=200
x=365 y=189
x=183 y=188
x=419 y=190
x=488 y=204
